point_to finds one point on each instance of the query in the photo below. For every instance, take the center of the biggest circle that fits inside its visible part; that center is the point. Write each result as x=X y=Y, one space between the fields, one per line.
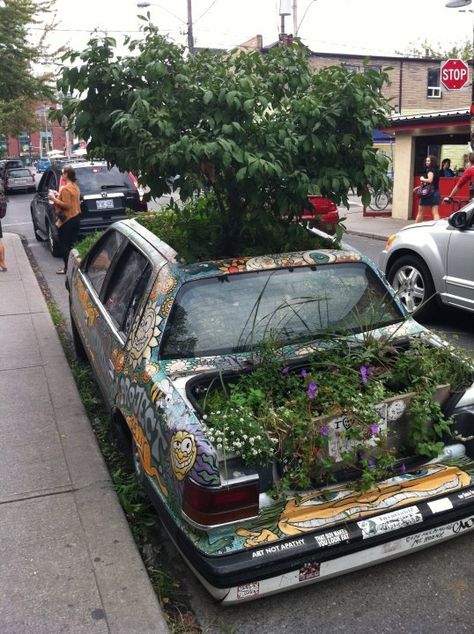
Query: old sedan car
x=433 y=262
x=162 y=335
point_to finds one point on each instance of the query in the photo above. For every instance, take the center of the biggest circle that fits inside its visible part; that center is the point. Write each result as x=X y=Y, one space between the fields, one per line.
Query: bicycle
x=380 y=200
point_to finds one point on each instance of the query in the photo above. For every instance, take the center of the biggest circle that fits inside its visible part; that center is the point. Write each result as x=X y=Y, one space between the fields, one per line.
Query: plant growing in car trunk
x=263 y=130
x=347 y=410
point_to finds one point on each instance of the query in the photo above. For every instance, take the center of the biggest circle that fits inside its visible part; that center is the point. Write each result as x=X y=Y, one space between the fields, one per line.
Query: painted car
x=156 y=330
x=433 y=260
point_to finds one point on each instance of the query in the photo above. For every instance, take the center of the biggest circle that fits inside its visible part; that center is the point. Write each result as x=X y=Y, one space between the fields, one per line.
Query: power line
x=204 y=12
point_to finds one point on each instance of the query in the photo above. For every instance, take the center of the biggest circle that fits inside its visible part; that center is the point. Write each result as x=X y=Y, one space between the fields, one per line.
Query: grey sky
x=344 y=26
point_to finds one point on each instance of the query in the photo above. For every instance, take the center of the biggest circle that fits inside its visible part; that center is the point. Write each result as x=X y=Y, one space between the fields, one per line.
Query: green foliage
x=463 y=51
x=197 y=231
x=21 y=87
x=84 y=245
x=287 y=411
x=263 y=129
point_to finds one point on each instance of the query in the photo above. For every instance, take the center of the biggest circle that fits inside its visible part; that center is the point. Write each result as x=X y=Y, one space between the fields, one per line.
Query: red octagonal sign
x=454 y=74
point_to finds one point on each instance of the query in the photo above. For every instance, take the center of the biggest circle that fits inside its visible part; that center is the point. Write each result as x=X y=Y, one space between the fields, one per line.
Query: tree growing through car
x=263 y=130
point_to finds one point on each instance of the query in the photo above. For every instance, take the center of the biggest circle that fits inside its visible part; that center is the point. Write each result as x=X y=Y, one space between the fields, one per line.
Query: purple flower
x=312 y=390
x=374 y=429
x=370 y=462
x=285 y=370
x=332 y=368
x=365 y=372
x=324 y=430
x=304 y=373
x=403 y=468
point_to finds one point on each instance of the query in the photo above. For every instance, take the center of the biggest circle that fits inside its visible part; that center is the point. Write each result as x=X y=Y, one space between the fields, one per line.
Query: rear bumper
x=276 y=566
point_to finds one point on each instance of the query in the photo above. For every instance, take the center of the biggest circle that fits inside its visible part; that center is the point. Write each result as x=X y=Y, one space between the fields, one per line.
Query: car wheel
x=38 y=236
x=413 y=284
x=78 y=346
x=53 y=243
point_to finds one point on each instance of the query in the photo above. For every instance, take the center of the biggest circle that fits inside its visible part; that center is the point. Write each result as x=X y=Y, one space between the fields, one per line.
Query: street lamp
x=457 y=4
x=145 y=5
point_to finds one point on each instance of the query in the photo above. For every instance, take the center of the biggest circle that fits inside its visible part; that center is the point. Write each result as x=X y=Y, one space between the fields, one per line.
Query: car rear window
x=236 y=313
x=98 y=178
x=19 y=173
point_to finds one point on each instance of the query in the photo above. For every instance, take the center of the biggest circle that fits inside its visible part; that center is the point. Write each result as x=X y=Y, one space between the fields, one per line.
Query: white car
x=433 y=262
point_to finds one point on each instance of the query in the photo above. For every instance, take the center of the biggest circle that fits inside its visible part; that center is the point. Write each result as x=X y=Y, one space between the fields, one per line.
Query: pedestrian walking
x=3 y=210
x=67 y=206
x=467 y=177
x=430 y=202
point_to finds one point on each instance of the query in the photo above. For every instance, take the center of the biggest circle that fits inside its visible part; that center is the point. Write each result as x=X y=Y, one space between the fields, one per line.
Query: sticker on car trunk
x=390 y=522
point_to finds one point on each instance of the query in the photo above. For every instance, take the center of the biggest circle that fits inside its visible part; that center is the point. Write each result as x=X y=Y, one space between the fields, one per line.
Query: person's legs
x=3 y=266
x=68 y=233
x=420 y=214
x=435 y=212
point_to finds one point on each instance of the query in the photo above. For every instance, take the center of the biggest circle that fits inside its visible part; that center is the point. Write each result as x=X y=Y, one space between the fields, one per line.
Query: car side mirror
x=458 y=220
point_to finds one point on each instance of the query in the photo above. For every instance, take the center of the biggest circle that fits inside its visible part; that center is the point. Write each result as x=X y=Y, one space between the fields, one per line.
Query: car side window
x=126 y=288
x=101 y=258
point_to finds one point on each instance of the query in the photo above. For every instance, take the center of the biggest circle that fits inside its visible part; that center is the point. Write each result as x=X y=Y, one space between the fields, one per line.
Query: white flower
x=204 y=416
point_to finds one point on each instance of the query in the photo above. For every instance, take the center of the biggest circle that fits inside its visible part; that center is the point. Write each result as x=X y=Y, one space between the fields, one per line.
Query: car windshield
x=19 y=173
x=236 y=313
x=96 y=178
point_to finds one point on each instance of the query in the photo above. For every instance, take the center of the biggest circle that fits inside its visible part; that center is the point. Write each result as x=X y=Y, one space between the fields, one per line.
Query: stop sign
x=454 y=74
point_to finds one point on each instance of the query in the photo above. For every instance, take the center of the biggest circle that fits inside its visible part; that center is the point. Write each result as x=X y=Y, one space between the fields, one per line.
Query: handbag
x=423 y=191
x=3 y=205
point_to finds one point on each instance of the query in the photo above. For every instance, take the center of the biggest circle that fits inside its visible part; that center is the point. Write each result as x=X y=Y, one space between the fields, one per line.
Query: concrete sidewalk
x=377 y=227
x=68 y=562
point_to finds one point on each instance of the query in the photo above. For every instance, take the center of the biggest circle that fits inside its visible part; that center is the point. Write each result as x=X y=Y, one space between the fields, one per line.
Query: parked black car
x=106 y=194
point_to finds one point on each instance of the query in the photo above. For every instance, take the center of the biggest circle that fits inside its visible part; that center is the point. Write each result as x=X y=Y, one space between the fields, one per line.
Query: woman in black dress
x=430 y=202
x=3 y=266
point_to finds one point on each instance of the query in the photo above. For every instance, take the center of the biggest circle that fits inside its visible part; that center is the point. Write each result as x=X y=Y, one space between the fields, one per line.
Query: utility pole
x=295 y=17
x=190 y=29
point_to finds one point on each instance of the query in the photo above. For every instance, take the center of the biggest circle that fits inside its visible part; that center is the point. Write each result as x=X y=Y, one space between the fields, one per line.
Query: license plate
x=105 y=204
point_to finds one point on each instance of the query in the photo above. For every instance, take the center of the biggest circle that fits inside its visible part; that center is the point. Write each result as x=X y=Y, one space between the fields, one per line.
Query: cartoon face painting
x=183 y=453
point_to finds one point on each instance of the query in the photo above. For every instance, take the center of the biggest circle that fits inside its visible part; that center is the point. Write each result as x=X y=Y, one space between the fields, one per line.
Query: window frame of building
x=433 y=85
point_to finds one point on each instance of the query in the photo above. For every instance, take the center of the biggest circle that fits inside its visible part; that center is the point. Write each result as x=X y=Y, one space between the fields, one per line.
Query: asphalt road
x=425 y=593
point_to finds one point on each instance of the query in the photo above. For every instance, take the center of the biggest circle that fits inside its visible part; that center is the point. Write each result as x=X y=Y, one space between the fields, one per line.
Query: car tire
x=79 y=350
x=54 y=246
x=412 y=281
x=38 y=235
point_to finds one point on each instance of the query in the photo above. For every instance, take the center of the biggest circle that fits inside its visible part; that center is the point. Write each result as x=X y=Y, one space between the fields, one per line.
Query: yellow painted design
x=118 y=358
x=183 y=453
x=255 y=538
x=90 y=310
x=144 y=450
x=156 y=392
x=314 y=511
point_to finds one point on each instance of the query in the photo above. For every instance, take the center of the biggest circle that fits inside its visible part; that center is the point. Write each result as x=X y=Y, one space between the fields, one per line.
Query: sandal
x=3 y=269
x=61 y=272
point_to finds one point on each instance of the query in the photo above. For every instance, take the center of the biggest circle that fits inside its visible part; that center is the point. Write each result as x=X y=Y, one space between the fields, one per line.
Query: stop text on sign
x=454 y=74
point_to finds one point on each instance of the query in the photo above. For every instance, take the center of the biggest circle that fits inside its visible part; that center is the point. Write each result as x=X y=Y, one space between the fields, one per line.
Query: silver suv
x=433 y=261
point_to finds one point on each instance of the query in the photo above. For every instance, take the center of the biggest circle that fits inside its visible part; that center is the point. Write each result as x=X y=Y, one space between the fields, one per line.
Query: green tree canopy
x=20 y=86
x=264 y=129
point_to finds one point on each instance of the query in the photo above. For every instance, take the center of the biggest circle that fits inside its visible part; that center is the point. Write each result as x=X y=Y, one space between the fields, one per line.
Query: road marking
x=15 y=224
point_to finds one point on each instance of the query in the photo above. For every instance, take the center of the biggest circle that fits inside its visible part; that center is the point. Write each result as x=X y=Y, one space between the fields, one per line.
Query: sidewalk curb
x=366 y=234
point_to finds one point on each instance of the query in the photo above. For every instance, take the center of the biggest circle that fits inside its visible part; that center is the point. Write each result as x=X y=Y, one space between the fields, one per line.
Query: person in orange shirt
x=467 y=177
x=67 y=205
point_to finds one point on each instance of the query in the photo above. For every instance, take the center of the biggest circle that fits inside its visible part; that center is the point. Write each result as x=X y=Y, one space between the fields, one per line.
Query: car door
x=41 y=207
x=110 y=288
x=460 y=267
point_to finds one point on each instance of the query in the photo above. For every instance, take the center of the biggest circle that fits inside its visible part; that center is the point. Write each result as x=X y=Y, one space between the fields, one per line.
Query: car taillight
x=213 y=506
x=133 y=179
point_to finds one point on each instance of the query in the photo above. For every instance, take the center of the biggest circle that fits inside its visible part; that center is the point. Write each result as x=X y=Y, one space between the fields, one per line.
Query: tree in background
x=20 y=86
x=262 y=129
x=464 y=51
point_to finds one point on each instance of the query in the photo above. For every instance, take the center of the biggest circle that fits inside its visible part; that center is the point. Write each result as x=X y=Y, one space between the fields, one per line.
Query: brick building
x=49 y=135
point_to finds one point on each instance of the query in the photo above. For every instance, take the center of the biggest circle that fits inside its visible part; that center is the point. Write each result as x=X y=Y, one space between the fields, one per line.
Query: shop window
x=434 y=87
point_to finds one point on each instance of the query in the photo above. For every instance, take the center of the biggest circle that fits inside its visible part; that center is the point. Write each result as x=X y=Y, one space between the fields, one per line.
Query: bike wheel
x=373 y=198
x=381 y=200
